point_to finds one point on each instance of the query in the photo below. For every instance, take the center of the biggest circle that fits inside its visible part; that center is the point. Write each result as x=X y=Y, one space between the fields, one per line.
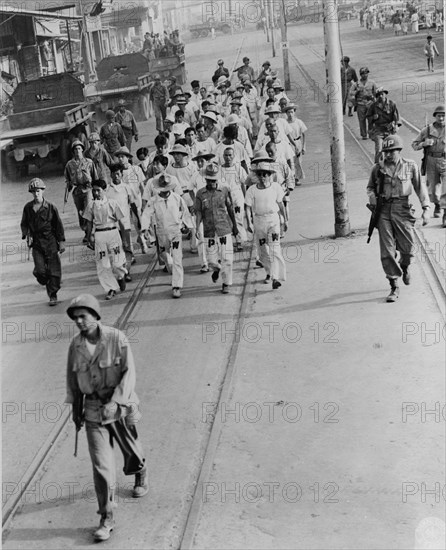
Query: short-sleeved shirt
x=240 y=153
x=134 y=178
x=122 y=196
x=264 y=201
x=212 y=205
x=103 y=213
x=184 y=174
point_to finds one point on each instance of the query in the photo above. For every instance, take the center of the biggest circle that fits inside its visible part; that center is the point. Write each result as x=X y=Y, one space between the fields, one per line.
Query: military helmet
x=439 y=109
x=77 y=143
x=86 y=301
x=392 y=142
x=36 y=183
x=364 y=70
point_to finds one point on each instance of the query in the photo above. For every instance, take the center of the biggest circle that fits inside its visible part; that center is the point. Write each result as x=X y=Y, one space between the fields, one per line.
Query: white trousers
x=220 y=255
x=171 y=251
x=110 y=258
x=267 y=233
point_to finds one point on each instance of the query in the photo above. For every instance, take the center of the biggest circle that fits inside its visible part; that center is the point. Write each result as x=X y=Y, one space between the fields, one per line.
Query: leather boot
x=444 y=219
x=406 y=274
x=437 y=211
x=105 y=527
x=394 y=291
x=141 y=487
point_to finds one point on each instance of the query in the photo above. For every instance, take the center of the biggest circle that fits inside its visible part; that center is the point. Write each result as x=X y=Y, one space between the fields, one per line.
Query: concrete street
x=328 y=402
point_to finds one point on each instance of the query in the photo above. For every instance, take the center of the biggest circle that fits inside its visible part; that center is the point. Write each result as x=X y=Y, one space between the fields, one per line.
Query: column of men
x=213 y=144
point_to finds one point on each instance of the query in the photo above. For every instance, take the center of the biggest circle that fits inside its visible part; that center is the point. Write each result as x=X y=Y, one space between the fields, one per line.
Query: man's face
x=196 y=89
x=116 y=177
x=211 y=184
x=94 y=143
x=235 y=109
x=392 y=156
x=273 y=132
x=123 y=160
x=179 y=117
x=282 y=103
x=270 y=93
x=201 y=133
x=440 y=117
x=168 y=126
x=38 y=195
x=158 y=168
x=122 y=109
x=85 y=321
x=178 y=158
x=364 y=76
x=382 y=97
x=228 y=156
x=77 y=151
x=191 y=138
x=203 y=92
x=291 y=113
x=98 y=193
x=271 y=149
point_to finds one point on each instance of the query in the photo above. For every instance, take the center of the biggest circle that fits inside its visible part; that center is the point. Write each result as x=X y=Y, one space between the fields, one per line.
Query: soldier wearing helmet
x=100 y=157
x=42 y=227
x=383 y=118
x=101 y=388
x=111 y=133
x=79 y=173
x=213 y=207
x=125 y=118
x=348 y=75
x=159 y=96
x=432 y=140
x=361 y=96
x=394 y=179
x=220 y=71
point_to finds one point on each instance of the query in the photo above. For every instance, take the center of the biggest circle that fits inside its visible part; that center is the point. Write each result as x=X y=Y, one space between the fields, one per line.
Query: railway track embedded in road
x=38 y=464
x=432 y=269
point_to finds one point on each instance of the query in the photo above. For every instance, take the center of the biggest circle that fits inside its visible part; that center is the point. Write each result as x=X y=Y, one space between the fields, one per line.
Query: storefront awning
x=42 y=14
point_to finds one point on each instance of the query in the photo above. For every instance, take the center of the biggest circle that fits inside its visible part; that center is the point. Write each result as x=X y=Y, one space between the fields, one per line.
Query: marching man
x=103 y=215
x=213 y=207
x=264 y=201
x=169 y=213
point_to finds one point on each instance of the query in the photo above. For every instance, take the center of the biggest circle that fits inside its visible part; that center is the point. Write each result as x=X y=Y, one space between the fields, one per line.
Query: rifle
x=65 y=197
x=29 y=244
x=78 y=414
x=376 y=210
x=425 y=150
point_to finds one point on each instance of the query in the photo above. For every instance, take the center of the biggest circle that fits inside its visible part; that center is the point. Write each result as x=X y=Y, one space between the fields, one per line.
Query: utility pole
x=270 y=4
x=336 y=128
x=265 y=13
x=89 y=72
x=284 y=34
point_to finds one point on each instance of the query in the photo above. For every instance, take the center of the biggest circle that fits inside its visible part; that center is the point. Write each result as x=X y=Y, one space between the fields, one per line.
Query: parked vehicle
x=204 y=29
x=48 y=113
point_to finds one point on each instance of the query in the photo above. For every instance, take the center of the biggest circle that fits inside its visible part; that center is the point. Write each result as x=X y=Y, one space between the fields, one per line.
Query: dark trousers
x=100 y=445
x=361 y=110
x=81 y=200
x=47 y=269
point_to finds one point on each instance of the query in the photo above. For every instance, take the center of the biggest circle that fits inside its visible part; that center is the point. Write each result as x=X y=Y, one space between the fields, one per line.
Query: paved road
x=182 y=349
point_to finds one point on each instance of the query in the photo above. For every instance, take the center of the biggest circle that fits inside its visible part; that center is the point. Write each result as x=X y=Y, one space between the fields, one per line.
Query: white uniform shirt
x=121 y=194
x=103 y=213
x=167 y=214
x=233 y=177
x=264 y=201
x=240 y=153
x=184 y=173
x=134 y=178
x=298 y=128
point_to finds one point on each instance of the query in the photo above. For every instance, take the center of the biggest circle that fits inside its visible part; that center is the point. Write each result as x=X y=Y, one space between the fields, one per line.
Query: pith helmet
x=36 y=183
x=86 y=301
x=211 y=172
x=391 y=143
x=439 y=109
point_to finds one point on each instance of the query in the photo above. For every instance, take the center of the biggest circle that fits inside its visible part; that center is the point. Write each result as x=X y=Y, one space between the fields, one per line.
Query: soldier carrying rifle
x=390 y=186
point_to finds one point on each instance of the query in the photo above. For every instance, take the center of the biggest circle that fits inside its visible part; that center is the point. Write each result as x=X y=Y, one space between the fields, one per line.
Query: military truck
x=204 y=29
x=129 y=76
x=48 y=114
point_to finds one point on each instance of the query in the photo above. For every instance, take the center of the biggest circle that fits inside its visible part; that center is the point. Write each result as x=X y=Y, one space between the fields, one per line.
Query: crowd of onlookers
x=412 y=17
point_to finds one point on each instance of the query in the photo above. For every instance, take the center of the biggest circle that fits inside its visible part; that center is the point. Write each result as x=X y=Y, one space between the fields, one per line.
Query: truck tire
x=226 y=29
x=195 y=34
x=204 y=33
x=11 y=171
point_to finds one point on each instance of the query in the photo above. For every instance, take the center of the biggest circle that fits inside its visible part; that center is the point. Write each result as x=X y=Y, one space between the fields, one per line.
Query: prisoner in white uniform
x=264 y=201
x=103 y=214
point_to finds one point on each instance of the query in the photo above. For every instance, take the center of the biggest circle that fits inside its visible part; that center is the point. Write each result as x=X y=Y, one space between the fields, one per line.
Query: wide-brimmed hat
x=290 y=106
x=203 y=155
x=169 y=118
x=221 y=79
x=277 y=86
x=124 y=151
x=248 y=83
x=211 y=172
x=236 y=102
x=164 y=182
x=233 y=119
x=272 y=109
x=261 y=156
x=211 y=115
x=263 y=167
x=178 y=148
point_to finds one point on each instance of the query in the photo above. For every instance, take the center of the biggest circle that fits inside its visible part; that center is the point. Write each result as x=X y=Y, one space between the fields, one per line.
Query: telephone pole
x=270 y=4
x=284 y=35
x=336 y=128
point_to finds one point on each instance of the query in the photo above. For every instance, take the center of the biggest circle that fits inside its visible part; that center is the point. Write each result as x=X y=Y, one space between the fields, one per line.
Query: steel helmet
x=36 y=183
x=86 y=301
x=392 y=142
x=77 y=143
x=364 y=70
x=439 y=109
